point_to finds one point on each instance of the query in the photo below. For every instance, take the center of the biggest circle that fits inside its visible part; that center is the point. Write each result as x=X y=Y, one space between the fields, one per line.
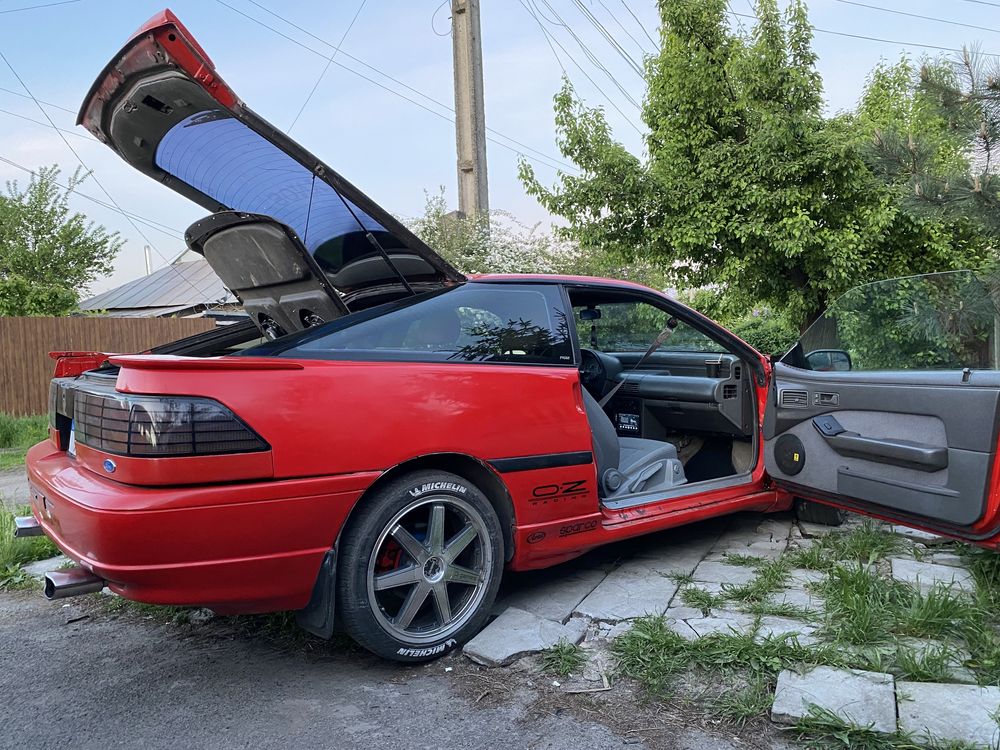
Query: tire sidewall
x=357 y=541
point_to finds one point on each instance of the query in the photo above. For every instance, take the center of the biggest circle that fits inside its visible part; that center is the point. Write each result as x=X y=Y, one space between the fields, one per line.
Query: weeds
x=936 y=613
x=17 y=552
x=822 y=728
x=740 y=705
x=771 y=577
x=861 y=605
x=701 y=599
x=17 y=434
x=863 y=545
x=563 y=659
x=935 y=664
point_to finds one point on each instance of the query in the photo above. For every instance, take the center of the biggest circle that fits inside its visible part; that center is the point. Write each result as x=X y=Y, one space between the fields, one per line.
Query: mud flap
x=318 y=615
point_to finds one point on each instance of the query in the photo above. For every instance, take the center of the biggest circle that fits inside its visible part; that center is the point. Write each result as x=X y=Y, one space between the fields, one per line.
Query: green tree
x=48 y=253
x=746 y=185
x=963 y=96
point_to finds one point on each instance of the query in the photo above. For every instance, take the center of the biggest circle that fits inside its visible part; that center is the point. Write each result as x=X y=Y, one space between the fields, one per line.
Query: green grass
x=17 y=434
x=822 y=729
x=771 y=577
x=701 y=599
x=936 y=613
x=863 y=545
x=17 y=552
x=933 y=664
x=861 y=605
x=750 y=701
x=563 y=659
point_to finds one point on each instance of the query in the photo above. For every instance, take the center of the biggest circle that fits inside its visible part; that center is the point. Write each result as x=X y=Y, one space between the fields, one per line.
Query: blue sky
x=391 y=148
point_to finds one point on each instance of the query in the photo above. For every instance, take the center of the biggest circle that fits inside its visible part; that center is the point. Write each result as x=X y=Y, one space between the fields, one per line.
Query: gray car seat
x=628 y=465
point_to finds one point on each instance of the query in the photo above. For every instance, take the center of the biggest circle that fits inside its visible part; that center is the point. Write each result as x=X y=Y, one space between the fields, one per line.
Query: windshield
x=938 y=321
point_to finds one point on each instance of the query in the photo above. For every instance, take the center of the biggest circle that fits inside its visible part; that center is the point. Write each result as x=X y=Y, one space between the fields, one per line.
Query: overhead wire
x=545 y=32
x=918 y=15
x=151 y=223
x=36 y=7
x=875 y=38
x=93 y=175
x=543 y=158
x=609 y=37
x=585 y=48
x=622 y=26
x=639 y=23
x=327 y=66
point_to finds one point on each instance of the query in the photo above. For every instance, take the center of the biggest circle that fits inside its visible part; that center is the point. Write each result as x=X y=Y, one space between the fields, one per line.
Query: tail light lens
x=160 y=426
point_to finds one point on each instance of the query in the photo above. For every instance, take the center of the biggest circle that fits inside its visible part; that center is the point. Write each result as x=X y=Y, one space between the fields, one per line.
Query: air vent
x=629 y=387
x=729 y=391
x=799 y=399
x=737 y=372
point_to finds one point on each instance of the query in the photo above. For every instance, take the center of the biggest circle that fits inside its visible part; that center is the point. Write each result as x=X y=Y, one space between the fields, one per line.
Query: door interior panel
x=912 y=443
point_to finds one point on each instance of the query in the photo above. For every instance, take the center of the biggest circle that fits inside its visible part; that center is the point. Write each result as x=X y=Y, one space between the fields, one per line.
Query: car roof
x=554 y=278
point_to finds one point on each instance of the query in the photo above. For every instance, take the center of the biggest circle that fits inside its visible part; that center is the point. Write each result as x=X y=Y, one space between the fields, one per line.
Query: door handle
x=906 y=453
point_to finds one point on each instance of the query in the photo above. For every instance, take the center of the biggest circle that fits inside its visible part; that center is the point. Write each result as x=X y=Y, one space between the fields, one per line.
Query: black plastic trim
x=317 y=617
x=543 y=461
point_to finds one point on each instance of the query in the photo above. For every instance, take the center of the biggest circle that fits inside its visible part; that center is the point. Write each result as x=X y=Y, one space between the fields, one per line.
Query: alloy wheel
x=429 y=569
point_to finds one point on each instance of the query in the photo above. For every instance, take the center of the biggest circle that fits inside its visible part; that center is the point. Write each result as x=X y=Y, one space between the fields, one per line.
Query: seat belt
x=657 y=343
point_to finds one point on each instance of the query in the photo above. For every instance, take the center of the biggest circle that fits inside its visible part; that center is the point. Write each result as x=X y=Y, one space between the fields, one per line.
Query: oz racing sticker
x=429 y=651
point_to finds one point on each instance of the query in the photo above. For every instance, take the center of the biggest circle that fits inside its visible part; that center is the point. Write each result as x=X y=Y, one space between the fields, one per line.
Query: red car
x=386 y=436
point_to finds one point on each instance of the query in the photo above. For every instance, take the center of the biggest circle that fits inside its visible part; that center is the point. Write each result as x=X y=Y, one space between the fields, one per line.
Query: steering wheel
x=593 y=373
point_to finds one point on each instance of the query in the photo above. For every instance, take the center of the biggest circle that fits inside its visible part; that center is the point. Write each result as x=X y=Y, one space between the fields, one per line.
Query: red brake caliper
x=389 y=558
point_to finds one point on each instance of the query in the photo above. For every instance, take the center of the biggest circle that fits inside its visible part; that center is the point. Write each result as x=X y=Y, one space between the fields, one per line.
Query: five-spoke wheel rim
x=429 y=569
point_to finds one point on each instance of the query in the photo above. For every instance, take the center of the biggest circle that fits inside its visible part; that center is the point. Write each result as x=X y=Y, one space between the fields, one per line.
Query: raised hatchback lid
x=161 y=105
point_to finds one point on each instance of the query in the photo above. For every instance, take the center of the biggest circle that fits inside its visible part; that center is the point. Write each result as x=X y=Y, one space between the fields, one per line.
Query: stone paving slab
x=925 y=537
x=927 y=575
x=724 y=622
x=558 y=598
x=946 y=558
x=39 y=568
x=772 y=626
x=815 y=530
x=764 y=550
x=718 y=572
x=680 y=558
x=631 y=591
x=796 y=598
x=517 y=633
x=950 y=713
x=799 y=577
x=861 y=698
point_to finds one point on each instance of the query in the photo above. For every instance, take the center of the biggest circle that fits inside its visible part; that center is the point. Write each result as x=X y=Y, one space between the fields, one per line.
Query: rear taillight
x=160 y=426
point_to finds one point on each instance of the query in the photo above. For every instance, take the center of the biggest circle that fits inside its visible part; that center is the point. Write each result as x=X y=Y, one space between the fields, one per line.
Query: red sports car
x=386 y=436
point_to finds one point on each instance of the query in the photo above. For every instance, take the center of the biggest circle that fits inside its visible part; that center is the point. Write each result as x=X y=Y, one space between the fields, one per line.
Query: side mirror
x=829 y=360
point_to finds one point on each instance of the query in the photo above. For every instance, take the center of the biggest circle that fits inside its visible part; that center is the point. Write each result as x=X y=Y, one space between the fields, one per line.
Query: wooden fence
x=25 y=343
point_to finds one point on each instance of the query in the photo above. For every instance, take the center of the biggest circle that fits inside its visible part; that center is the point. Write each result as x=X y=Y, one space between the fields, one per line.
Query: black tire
x=813 y=512
x=384 y=537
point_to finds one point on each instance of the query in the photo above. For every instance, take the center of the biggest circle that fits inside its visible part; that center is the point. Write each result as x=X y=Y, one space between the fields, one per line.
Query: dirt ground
x=86 y=675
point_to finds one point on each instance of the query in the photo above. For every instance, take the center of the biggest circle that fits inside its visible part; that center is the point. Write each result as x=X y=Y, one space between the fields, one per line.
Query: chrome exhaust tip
x=62 y=584
x=27 y=526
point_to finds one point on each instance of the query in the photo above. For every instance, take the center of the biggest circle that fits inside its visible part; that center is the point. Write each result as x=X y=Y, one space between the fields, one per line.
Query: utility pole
x=470 y=114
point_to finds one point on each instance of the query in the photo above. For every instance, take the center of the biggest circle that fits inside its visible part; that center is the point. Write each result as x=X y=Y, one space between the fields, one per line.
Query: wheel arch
x=472 y=470
x=319 y=615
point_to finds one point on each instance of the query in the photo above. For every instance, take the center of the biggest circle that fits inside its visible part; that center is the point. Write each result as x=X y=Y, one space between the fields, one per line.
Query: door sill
x=639 y=499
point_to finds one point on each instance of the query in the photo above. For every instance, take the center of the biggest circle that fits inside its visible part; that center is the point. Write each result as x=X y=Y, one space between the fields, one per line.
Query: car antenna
x=372 y=240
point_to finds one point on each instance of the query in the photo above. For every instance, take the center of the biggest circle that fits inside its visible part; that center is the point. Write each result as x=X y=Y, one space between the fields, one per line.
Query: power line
x=97 y=182
x=621 y=26
x=639 y=23
x=45 y=125
x=917 y=15
x=879 y=39
x=586 y=51
x=327 y=66
x=602 y=30
x=36 y=7
x=549 y=161
x=545 y=32
x=163 y=228
x=47 y=104
x=983 y=2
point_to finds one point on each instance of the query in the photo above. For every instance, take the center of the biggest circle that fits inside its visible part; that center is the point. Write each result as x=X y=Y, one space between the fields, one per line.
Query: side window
x=632 y=326
x=940 y=321
x=473 y=323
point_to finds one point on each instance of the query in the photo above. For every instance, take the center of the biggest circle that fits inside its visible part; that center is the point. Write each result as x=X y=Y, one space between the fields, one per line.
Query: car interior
x=673 y=416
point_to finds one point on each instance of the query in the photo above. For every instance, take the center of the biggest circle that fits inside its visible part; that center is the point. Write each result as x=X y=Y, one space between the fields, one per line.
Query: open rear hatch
x=295 y=241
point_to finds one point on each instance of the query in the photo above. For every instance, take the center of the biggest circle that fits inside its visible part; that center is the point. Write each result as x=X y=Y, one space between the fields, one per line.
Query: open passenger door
x=889 y=405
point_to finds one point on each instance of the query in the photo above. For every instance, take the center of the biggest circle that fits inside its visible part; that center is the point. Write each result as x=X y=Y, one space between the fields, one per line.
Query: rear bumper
x=239 y=548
